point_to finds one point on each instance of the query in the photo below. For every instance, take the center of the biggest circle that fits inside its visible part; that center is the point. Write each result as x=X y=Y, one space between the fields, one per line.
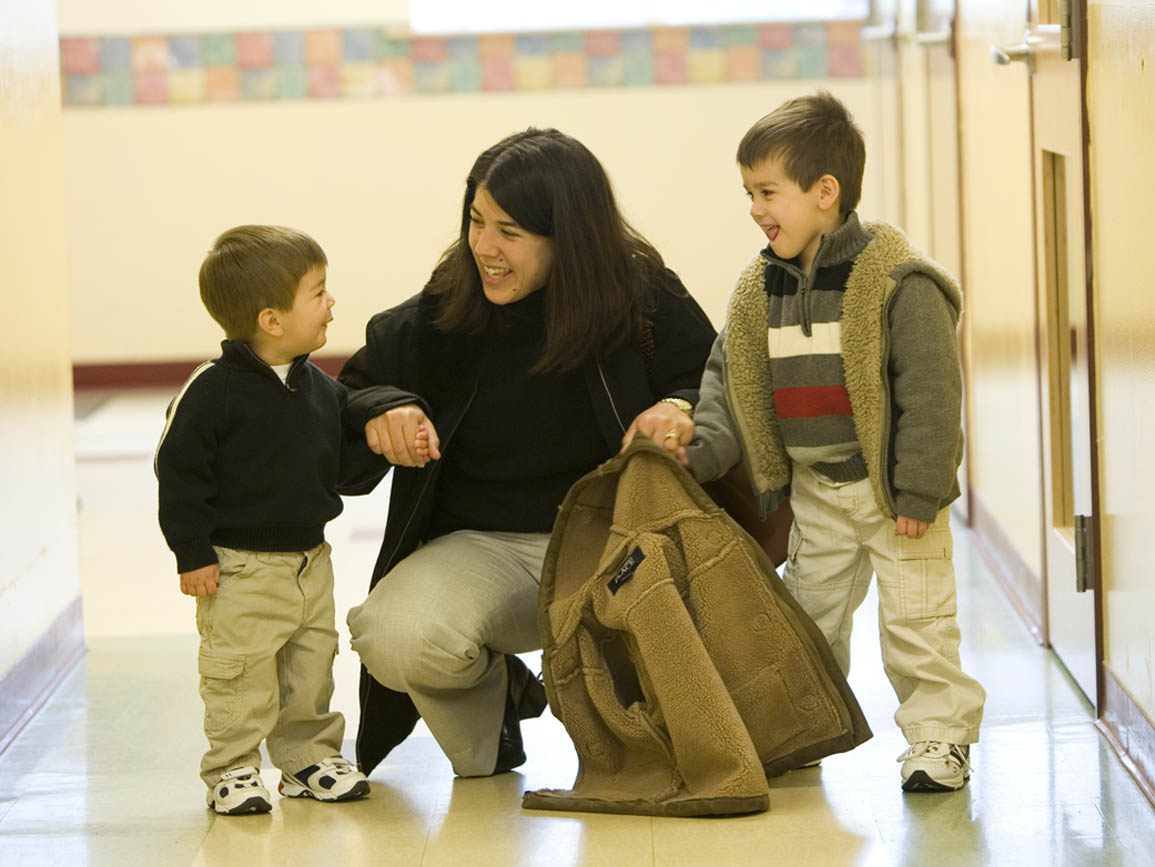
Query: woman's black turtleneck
x=525 y=439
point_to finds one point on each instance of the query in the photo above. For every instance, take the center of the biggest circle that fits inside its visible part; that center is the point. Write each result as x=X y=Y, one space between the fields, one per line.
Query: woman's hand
x=666 y=425
x=404 y=435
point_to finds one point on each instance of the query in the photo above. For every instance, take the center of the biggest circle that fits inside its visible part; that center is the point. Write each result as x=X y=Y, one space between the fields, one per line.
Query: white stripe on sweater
x=173 y=408
x=825 y=339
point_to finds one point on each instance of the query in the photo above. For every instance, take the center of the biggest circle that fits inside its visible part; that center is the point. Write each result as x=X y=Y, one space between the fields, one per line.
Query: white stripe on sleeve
x=173 y=408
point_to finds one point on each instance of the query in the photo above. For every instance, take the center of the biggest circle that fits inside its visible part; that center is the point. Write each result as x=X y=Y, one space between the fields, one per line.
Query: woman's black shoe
x=524 y=699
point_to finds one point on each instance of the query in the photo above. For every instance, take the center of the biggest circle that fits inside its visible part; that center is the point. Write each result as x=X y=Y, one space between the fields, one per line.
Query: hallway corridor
x=106 y=773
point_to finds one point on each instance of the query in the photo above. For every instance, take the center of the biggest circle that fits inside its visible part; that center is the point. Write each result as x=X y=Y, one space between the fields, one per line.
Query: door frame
x=1079 y=20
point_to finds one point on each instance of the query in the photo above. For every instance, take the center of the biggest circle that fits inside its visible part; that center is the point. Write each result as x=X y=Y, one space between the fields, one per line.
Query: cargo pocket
x=233 y=562
x=926 y=575
x=793 y=544
x=220 y=684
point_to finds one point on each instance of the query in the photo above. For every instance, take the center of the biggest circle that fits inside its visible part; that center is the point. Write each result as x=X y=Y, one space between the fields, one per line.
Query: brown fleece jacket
x=677 y=661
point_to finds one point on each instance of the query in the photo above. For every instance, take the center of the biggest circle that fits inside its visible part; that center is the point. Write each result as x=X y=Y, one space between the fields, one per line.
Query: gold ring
x=673 y=434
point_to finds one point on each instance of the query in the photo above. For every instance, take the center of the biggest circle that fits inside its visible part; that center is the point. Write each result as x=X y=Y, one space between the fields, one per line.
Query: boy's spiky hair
x=250 y=268
x=812 y=136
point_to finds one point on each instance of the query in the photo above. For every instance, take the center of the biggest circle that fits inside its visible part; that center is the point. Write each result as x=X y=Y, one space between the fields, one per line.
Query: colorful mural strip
x=372 y=62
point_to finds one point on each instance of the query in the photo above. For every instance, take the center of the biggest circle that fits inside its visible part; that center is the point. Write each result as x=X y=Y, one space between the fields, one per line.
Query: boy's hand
x=202 y=581
x=910 y=528
x=668 y=426
x=394 y=434
x=421 y=443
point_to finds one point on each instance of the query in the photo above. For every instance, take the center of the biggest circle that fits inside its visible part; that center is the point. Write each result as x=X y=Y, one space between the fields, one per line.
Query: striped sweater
x=896 y=337
x=805 y=350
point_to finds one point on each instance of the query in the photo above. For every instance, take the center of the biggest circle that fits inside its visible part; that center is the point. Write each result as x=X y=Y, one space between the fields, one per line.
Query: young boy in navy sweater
x=248 y=468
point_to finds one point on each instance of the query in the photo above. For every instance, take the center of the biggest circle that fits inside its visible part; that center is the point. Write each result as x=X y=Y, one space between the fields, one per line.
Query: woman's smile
x=512 y=261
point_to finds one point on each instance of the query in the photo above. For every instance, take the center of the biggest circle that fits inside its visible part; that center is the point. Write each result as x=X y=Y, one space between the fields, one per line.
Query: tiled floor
x=106 y=773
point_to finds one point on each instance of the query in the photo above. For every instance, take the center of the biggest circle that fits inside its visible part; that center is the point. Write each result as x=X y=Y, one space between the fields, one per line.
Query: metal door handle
x=1044 y=39
x=934 y=37
x=877 y=32
x=1010 y=53
x=1024 y=52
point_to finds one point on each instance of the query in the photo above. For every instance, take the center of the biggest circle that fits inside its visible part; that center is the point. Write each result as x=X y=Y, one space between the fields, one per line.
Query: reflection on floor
x=107 y=772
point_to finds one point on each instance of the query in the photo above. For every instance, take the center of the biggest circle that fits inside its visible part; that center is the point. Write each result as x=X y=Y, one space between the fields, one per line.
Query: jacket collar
x=841 y=245
x=240 y=354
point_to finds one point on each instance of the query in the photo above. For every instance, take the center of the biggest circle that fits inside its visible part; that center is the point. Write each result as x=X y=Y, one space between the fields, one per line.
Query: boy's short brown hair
x=813 y=136
x=250 y=268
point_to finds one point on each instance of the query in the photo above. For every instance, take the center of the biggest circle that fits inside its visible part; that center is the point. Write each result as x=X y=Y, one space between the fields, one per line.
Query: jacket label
x=626 y=570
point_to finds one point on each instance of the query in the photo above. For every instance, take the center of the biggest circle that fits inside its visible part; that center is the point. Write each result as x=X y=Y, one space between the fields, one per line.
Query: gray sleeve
x=926 y=391
x=714 y=448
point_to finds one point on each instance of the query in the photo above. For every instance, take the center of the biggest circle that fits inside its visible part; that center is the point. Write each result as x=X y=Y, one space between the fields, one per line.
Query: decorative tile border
x=373 y=62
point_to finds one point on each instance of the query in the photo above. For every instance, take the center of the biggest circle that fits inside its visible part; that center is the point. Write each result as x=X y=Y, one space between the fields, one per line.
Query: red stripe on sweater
x=812 y=401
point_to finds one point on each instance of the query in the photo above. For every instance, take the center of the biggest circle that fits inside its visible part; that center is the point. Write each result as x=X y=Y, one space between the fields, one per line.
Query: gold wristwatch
x=681 y=403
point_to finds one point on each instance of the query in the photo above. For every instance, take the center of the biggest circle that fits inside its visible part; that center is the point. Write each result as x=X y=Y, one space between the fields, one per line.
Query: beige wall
x=38 y=575
x=1121 y=104
x=379 y=183
x=1004 y=451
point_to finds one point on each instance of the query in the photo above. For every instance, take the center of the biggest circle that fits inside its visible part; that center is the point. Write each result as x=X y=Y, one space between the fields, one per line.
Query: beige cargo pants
x=266 y=661
x=839 y=540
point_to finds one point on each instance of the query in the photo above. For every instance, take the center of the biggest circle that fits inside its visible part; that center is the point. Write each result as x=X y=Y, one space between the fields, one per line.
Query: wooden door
x=1066 y=394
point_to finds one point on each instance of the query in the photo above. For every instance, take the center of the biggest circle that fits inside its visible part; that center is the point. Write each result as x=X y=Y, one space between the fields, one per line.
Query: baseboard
x=1129 y=731
x=1022 y=585
x=25 y=688
x=161 y=374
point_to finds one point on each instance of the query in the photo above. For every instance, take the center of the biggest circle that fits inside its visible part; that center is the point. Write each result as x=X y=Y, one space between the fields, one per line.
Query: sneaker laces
x=337 y=764
x=938 y=750
x=242 y=776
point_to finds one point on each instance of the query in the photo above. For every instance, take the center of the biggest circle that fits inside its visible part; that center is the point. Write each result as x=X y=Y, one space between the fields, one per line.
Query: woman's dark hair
x=604 y=272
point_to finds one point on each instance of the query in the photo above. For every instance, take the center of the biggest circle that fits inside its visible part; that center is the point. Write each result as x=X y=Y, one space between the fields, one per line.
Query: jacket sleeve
x=683 y=335
x=186 y=482
x=926 y=385
x=360 y=468
x=375 y=373
x=714 y=448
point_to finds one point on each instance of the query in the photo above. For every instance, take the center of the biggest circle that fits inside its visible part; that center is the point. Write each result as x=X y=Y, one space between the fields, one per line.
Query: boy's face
x=305 y=323
x=792 y=219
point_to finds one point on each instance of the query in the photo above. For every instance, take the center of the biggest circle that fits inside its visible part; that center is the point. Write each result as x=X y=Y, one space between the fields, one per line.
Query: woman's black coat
x=406 y=360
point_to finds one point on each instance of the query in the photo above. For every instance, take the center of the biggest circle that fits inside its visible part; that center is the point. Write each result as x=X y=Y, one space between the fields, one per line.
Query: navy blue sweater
x=248 y=461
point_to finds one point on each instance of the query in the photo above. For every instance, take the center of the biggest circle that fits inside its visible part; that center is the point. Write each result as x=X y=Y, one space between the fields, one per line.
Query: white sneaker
x=239 y=790
x=935 y=766
x=331 y=779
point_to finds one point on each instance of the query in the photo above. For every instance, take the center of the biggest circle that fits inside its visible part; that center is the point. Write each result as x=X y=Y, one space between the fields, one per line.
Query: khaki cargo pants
x=266 y=661
x=839 y=540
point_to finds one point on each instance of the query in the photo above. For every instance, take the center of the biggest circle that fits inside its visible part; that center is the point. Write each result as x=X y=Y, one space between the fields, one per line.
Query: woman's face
x=512 y=261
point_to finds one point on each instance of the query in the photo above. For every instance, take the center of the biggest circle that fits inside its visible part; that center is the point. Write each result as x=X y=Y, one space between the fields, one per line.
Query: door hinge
x=1068 y=29
x=1084 y=555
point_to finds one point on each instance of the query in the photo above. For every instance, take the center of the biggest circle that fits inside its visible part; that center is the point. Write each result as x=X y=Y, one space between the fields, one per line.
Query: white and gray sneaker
x=331 y=779
x=239 y=790
x=935 y=766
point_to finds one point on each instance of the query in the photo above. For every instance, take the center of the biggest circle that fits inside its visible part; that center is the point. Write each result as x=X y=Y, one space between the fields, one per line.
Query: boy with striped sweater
x=837 y=380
